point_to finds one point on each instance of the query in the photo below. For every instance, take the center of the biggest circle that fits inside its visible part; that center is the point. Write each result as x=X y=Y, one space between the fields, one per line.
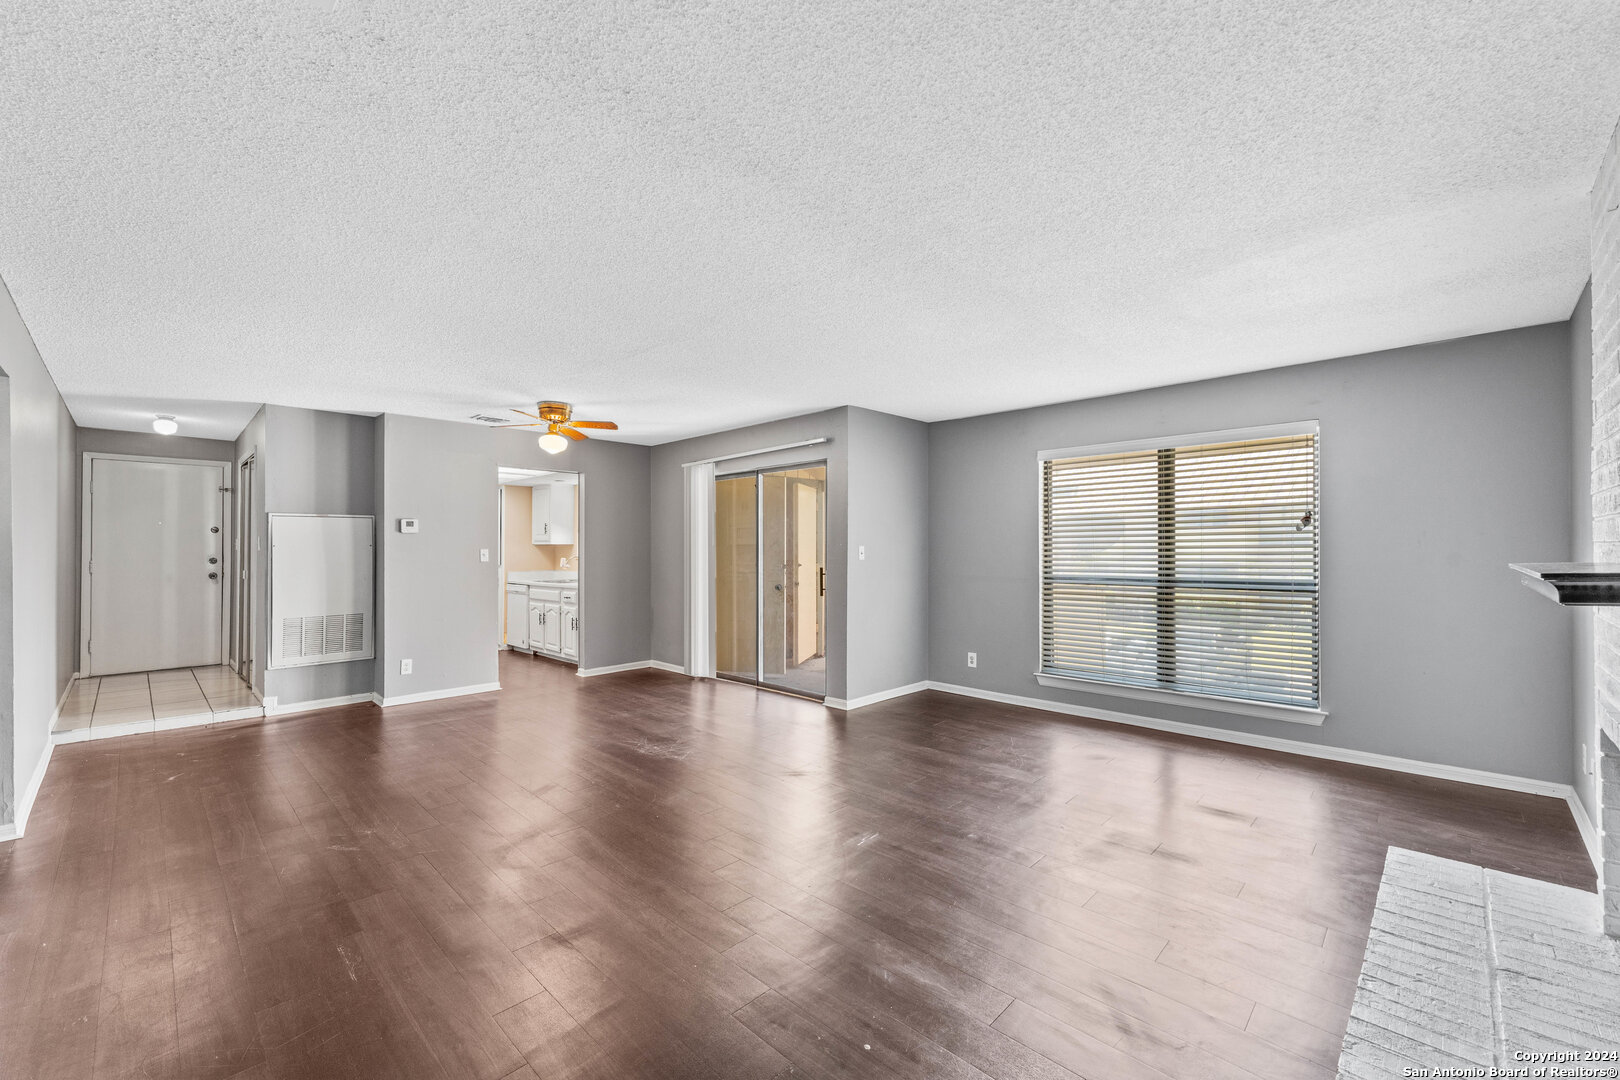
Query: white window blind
x=1185 y=568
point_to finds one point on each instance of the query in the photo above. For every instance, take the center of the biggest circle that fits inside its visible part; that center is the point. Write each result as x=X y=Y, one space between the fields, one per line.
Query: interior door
x=156 y=565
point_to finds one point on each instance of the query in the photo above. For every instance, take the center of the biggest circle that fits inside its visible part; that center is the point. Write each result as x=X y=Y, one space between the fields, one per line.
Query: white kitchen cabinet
x=553 y=620
x=545 y=620
x=551 y=640
x=537 y=626
x=551 y=514
x=569 y=613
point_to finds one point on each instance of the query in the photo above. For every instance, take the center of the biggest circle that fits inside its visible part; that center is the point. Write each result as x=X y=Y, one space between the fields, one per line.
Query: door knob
x=213 y=529
x=213 y=575
x=212 y=560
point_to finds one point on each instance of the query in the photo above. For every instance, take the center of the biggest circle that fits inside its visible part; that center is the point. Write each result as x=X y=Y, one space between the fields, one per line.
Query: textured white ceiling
x=687 y=216
x=131 y=412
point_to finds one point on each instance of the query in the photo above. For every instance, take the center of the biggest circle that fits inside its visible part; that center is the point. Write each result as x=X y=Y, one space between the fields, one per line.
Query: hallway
x=104 y=707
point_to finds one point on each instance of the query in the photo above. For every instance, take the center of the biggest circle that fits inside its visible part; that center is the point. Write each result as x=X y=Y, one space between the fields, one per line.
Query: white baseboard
x=612 y=669
x=639 y=665
x=1287 y=746
x=436 y=695
x=1589 y=833
x=25 y=804
x=56 y=713
x=872 y=699
x=273 y=708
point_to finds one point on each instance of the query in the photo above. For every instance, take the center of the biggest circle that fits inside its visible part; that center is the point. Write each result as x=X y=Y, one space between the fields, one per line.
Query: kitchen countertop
x=543 y=577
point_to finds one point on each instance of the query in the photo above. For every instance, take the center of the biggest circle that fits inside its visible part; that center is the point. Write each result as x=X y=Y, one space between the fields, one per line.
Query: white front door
x=157 y=571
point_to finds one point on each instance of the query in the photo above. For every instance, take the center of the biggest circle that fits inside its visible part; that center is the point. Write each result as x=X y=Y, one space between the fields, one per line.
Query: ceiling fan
x=557 y=418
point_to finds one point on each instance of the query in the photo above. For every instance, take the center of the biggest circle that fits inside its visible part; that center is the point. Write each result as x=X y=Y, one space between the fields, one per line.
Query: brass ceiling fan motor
x=557 y=418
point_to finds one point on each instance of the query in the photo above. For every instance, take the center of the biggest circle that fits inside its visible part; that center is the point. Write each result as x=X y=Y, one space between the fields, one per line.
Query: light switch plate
x=483 y=554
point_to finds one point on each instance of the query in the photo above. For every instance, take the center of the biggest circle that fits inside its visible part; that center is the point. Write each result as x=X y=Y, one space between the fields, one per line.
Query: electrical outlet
x=404 y=667
x=973 y=659
x=483 y=554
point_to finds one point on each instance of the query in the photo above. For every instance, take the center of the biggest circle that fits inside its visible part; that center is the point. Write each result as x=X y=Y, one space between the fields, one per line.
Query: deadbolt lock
x=213 y=528
x=212 y=560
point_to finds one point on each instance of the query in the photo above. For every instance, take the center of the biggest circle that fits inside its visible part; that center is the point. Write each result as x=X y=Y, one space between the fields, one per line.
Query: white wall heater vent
x=321 y=584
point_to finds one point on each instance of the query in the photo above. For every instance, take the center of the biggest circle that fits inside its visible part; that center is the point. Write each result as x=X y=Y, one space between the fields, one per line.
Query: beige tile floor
x=108 y=705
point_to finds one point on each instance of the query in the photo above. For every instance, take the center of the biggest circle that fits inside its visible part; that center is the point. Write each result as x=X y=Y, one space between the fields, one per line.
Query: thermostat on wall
x=407 y=525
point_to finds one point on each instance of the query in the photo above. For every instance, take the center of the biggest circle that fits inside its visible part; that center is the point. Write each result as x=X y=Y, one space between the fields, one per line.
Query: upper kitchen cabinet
x=553 y=513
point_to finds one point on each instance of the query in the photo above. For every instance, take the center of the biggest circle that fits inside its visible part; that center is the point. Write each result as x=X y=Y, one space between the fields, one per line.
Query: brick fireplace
x=1609 y=795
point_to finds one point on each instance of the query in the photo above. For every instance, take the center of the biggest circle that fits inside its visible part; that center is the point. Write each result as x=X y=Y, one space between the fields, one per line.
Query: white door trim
x=700 y=569
x=85 y=523
x=241 y=619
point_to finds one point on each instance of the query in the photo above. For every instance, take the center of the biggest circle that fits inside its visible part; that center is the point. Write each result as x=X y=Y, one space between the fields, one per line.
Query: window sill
x=1292 y=714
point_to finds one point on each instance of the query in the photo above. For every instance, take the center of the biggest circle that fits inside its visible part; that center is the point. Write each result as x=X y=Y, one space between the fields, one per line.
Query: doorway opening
x=770 y=578
x=541 y=603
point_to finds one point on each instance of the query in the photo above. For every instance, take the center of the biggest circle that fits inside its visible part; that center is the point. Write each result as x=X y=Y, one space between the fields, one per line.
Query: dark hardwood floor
x=642 y=876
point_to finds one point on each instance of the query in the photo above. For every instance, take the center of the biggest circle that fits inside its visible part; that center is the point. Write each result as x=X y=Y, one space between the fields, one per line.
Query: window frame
x=1210 y=702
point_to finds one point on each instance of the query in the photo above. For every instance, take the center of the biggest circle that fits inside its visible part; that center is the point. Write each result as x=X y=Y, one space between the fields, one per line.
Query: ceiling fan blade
x=570 y=432
x=520 y=412
x=541 y=424
x=606 y=424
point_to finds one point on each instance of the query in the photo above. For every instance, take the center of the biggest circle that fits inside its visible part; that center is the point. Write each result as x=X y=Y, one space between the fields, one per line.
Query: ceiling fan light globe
x=553 y=443
x=165 y=425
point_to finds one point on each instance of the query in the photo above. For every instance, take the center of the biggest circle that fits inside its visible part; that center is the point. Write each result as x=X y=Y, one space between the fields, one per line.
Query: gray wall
x=668 y=497
x=41 y=574
x=614 y=569
x=322 y=463
x=888 y=608
x=1441 y=463
x=8 y=655
x=439 y=600
x=1584 y=652
x=149 y=444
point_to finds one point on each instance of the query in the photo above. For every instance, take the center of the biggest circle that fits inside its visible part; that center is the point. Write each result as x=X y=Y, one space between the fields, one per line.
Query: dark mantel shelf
x=1576 y=584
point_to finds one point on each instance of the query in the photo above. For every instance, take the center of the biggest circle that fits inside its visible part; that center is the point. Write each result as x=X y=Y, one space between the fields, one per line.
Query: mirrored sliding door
x=770 y=578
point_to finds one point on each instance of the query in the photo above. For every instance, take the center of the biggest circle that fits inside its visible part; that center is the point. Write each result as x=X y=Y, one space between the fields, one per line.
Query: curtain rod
x=753 y=453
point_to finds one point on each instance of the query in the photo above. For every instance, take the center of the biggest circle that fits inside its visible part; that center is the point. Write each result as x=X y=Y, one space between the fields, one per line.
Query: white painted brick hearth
x=1606 y=506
